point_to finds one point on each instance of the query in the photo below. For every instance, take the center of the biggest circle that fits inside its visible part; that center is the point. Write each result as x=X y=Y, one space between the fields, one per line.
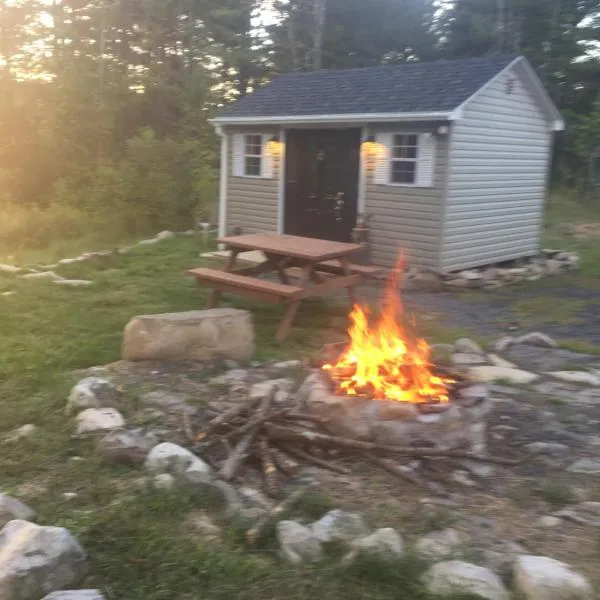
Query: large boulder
x=543 y=578
x=298 y=543
x=99 y=420
x=456 y=577
x=36 y=560
x=12 y=508
x=171 y=458
x=339 y=526
x=193 y=335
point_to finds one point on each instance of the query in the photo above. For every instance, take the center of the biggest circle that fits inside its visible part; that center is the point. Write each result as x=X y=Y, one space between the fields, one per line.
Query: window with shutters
x=403 y=158
x=253 y=155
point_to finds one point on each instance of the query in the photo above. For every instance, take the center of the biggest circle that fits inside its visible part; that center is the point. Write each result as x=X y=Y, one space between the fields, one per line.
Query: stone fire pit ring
x=461 y=425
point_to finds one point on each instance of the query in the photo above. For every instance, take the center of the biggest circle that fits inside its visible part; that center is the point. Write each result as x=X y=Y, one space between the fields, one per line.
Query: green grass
x=136 y=537
x=557 y=496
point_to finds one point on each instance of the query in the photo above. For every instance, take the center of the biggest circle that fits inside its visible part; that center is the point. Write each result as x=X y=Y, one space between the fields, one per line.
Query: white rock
x=515 y=376
x=36 y=560
x=91 y=392
x=543 y=578
x=264 y=388
x=462 y=359
x=385 y=544
x=12 y=508
x=69 y=495
x=128 y=445
x=503 y=343
x=587 y=466
x=455 y=576
x=549 y=521
x=582 y=377
x=8 y=293
x=439 y=545
x=339 y=526
x=537 y=339
x=10 y=269
x=51 y=275
x=148 y=242
x=231 y=377
x=75 y=595
x=171 y=458
x=298 y=543
x=165 y=235
x=194 y=335
x=498 y=361
x=467 y=346
x=164 y=481
x=97 y=420
x=73 y=282
x=25 y=431
x=287 y=364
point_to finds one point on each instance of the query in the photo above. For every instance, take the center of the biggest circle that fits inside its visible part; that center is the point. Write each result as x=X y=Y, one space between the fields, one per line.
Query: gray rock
x=385 y=544
x=91 y=392
x=543 y=578
x=165 y=235
x=460 y=359
x=498 y=361
x=264 y=388
x=286 y=364
x=503 y=343
x=12 y=508
x=232 y=377
x=99 y=420
x=164 y=481
x=298 y=543
x=536 y=339
x=75 y=595
x=467 y=346
x=439 y=545
x=549 y=521
x=339 y=526
x=454 y=576
x=587 y=466
x=551 y=448
x=478 y=469
x=166 y=401
x=171 y=458
x=128 y=446
x=582 y=377
x=36 y=560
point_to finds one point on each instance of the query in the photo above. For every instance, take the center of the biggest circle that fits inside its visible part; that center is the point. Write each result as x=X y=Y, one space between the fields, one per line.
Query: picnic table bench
x=317 y=266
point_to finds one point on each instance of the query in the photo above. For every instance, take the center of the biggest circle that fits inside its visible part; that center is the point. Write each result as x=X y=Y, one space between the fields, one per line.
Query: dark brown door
x=321 y=183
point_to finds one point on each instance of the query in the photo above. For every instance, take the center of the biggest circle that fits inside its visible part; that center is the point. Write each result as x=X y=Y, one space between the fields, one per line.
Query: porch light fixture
x=274 y=145
x=370 y=146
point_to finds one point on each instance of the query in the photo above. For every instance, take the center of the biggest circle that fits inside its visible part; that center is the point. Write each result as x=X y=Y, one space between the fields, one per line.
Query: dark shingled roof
x=439 y=86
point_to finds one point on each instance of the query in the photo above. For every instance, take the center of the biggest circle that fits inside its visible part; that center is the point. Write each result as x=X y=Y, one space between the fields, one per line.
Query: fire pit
x=382 y=387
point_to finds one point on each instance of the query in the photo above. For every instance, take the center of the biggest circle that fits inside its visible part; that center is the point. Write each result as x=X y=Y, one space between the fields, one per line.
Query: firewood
x=319 y=462
x=303 y=417
x=239 y=453
x=287 y=435
x=253 y=535
x=285 y=464
x=226 y=417
x=268 y=467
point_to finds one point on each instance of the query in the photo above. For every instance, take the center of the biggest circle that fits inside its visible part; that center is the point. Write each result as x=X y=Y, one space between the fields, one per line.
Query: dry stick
x=268 y=467
x=303 y=417
x=235 y=459
x=284 y=434
x=252 y=535
x=225 y=418
x=285 y=464
x=319 y=462
x=397 y=470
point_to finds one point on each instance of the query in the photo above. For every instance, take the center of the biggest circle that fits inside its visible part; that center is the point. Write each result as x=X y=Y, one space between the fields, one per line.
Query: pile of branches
x=282 y=440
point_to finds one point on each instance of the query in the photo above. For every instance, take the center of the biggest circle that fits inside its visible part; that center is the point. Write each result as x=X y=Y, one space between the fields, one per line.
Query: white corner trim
x=338 y=118
x=223 y=184
x=281 y=190
x=361 y=204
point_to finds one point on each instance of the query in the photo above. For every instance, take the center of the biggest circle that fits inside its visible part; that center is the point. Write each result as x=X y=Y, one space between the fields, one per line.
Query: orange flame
x=381 y=360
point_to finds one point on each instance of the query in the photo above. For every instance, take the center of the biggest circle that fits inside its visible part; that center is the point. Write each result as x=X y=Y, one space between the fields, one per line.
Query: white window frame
x=260 y=156
x=415 y=160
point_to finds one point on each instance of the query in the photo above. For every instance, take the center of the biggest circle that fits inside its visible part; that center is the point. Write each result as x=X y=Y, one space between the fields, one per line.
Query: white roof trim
x=339 y=118
x=556 y=121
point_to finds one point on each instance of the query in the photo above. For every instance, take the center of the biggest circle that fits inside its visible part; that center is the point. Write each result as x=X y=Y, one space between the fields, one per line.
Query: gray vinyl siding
x=407 y=218
x=500 y=151
x=251 y=202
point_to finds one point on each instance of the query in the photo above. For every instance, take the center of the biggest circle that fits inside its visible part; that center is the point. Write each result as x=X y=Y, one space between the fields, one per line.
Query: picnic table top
x=291 y=245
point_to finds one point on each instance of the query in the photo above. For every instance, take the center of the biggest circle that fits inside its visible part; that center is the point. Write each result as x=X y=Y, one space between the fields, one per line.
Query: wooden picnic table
x=319 y=267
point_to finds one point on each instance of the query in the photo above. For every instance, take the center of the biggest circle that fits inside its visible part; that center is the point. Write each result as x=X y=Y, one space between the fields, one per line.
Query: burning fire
x=382 y=361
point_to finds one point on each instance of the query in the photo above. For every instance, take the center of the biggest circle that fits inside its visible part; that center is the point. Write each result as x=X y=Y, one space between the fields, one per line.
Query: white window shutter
x=266 y=158
x=426 y=160
x=238 y=155
x=382 y=158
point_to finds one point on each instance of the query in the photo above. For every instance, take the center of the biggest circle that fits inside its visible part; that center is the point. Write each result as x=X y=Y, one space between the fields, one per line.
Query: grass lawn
x=140 y=545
